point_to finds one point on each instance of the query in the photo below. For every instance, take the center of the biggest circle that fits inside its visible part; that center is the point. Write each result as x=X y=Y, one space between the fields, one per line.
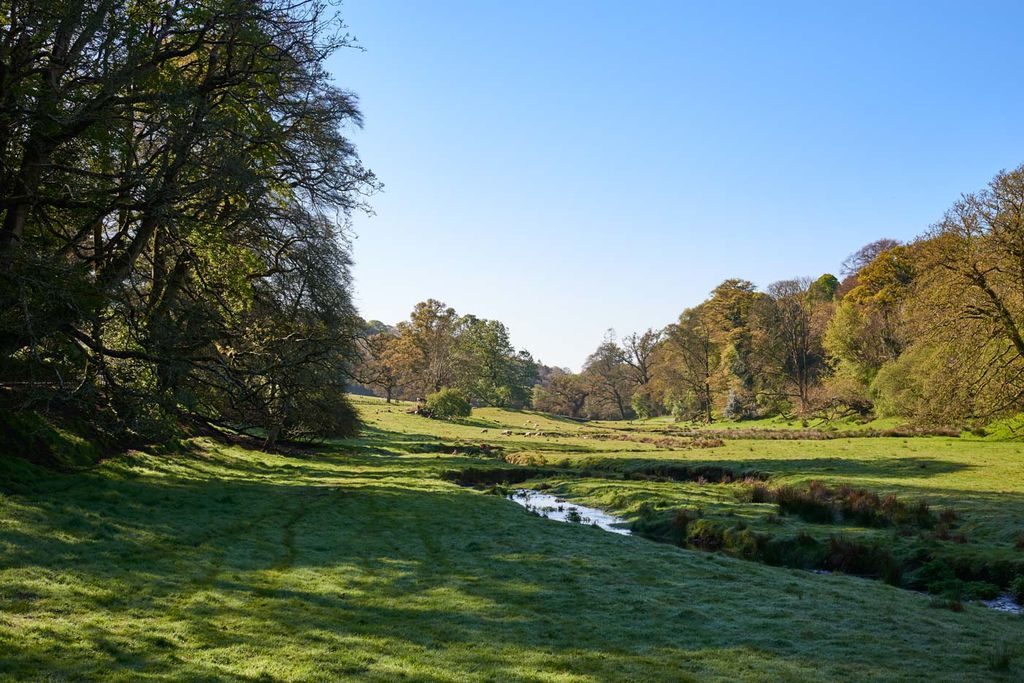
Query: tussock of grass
x=815 y=501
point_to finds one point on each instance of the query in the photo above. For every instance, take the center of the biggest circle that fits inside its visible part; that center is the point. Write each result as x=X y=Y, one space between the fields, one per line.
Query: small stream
x=1004 y=603
x=561 y=510
x=558 y=509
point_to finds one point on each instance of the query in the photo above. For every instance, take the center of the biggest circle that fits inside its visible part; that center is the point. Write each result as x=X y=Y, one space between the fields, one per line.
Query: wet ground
x=559 y=509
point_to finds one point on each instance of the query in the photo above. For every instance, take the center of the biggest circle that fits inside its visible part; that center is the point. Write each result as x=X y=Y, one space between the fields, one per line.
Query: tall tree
x=609 y=378
x=865 y=255
x=970 y=297
x=490 y=371
x=386 y=363
x=729 y=313
x=433 y=329
x=791 y=340
x=638 y=355
x=565 y=393
x=175 y=184
x=867 y=328
x=690 y=360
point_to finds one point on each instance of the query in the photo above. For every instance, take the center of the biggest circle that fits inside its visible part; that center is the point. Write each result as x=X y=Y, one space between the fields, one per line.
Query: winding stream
x=552 y=507
x=1004 y=603
x=561 y=510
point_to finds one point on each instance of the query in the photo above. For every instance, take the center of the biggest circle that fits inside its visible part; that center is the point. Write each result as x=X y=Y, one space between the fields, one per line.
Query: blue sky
x=569 y=167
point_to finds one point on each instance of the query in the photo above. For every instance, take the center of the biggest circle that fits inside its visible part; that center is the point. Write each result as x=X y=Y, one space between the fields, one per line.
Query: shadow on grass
x=885 y=468
x=373 y=440
x=353 y=563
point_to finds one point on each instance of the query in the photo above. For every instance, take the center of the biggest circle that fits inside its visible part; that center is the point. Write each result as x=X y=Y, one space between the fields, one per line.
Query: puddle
x=559 y=509
x=1004 y=603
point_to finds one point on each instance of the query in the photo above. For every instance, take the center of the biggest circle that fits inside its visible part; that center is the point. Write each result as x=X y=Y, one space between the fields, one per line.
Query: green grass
x=357 y=561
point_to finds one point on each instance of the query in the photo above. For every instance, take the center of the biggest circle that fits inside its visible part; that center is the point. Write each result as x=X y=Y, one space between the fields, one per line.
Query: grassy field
x=360 y=560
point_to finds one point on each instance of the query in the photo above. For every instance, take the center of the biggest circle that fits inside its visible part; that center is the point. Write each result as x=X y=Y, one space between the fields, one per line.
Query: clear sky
x=572 y=166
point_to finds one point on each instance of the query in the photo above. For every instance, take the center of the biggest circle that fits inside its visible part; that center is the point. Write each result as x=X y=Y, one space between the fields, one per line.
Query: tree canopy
x=932 y=331
x=175 y=188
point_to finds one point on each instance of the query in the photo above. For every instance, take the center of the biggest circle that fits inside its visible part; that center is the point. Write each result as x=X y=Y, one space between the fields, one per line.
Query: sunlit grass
x=357 y=561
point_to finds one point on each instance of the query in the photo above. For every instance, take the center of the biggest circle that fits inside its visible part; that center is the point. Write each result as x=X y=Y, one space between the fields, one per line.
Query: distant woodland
x=931 y=331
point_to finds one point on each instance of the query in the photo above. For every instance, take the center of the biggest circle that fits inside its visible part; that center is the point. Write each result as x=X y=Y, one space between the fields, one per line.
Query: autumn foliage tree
x=437 y=348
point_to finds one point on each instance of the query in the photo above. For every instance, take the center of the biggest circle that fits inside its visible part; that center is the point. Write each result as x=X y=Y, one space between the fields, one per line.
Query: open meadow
x=361 y=559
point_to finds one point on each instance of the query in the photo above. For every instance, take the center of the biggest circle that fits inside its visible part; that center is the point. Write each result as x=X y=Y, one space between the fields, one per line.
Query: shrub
x=661 y=526
x=738 y=406
x=862 y=559
x=1017 y=589
x=760 y=493
x=938 y=577
x=802 y=551
x=498 y=490
x=822 y=504
x=705 y=535
x=643 y=405
x=446 y=404
x=741 y=541
x=491 y=476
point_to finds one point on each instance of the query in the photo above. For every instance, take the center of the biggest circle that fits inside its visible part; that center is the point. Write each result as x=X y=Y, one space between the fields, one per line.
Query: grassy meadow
x=362 y=560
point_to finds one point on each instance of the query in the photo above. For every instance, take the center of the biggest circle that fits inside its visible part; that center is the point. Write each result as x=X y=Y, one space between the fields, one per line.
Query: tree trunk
x=271 y=439
x=707 y=401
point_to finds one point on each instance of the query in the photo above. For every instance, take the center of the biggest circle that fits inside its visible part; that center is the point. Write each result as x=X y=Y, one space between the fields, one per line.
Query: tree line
x=931 y=330
x=437 y=349
x=175 y=186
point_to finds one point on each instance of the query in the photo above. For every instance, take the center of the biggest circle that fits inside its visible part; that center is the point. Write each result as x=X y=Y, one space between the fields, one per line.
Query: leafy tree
x=689 y=359
x=969 y=301
x=608 y=376
x=525 y=375
x=638 y=353
x=175 y=185
x=447 y=404
x=565 y=394
x=643 y=404
x=867 y=329
x=437 y=348
x=790 y=339
x=432 y=330
x=729 y=315
x=491 y=372
x=865 y=255
x=386 y=363
x=823 y=289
